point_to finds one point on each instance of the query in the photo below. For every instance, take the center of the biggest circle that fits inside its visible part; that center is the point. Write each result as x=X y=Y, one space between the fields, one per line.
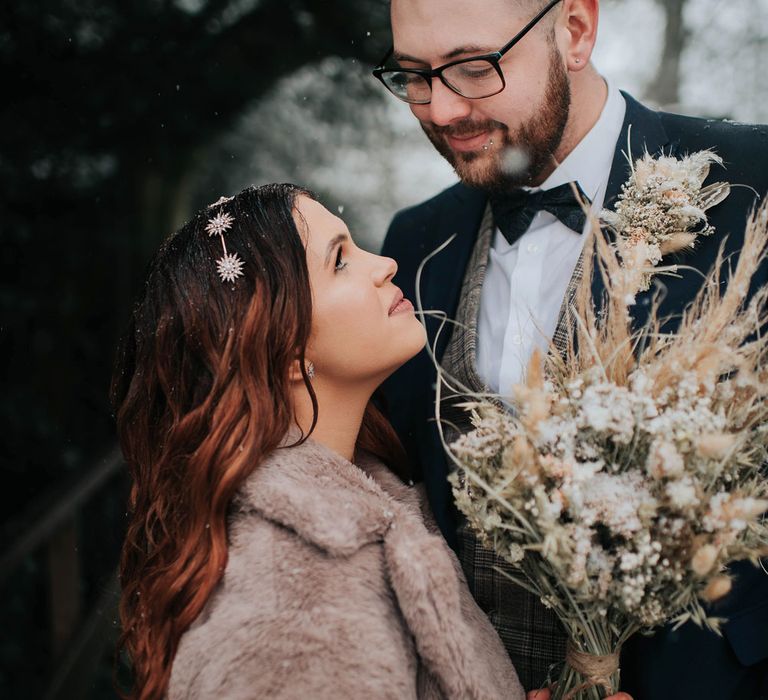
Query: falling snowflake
x=219 y=223
x=230 y=267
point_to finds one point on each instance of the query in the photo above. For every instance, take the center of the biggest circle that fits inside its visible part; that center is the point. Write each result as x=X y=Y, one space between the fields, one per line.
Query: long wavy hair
x=201 y=393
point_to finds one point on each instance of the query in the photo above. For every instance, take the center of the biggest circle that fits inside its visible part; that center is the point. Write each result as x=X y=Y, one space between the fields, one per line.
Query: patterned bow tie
x=513 y=213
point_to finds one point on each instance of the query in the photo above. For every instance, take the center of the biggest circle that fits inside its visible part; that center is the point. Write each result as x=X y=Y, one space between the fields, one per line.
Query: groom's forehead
x=446 y=25
x=444 y=10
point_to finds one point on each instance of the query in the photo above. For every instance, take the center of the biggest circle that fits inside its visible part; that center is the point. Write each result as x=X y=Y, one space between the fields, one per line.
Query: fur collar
x=321 y=496
x=340 y=507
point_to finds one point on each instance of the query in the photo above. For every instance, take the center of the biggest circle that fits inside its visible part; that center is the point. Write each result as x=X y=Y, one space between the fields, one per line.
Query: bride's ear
x=295 y=375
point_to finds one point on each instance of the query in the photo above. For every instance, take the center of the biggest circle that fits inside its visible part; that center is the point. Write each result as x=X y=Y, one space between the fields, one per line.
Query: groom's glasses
x=474 y=77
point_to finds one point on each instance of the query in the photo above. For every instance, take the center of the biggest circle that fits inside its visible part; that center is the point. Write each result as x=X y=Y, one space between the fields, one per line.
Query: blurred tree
x=703 y=57
x=665 y=88
x=723 y=68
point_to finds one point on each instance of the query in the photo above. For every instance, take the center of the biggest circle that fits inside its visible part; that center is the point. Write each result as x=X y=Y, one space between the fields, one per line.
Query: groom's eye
x=474 y=70
x=340 y=264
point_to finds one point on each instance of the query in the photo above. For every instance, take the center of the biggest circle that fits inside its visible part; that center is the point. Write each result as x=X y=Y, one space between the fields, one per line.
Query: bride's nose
x=384 y=270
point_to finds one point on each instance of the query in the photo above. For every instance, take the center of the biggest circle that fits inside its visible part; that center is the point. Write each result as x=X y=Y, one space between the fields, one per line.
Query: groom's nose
x=445 y=106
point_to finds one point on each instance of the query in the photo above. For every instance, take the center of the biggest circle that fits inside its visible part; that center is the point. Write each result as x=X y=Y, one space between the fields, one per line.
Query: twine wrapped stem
x=596 y=669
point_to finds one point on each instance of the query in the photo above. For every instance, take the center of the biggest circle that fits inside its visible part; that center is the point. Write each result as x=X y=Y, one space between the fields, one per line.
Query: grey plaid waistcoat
x=532 y=635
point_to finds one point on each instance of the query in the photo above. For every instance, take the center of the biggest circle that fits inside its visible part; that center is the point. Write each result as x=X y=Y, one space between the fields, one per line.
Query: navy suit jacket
x=689 y=663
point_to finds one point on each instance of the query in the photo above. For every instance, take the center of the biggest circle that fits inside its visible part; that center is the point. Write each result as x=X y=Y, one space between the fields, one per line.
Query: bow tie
x=514 y=212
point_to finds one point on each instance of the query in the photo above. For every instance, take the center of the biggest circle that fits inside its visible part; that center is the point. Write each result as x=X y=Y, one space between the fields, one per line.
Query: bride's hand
x=543 y=694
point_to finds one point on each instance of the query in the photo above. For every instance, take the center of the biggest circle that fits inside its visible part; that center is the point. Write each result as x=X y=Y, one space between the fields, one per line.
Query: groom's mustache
x=466 y=128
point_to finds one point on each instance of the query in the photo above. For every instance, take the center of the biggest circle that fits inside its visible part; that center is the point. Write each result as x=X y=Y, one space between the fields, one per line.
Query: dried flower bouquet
x=630 y=471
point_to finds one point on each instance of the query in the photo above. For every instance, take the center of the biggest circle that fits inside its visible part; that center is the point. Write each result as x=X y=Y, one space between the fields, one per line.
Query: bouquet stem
x=587 y=675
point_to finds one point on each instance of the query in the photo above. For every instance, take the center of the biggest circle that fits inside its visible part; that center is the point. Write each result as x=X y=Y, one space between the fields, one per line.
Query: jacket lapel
x=444 y=273
x=642 y=131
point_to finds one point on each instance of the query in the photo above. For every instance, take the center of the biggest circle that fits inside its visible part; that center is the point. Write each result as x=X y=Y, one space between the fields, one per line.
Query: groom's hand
x=543 y=694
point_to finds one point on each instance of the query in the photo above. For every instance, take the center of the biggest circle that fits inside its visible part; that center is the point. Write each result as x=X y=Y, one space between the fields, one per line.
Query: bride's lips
x=471 y=142
x=399 y=304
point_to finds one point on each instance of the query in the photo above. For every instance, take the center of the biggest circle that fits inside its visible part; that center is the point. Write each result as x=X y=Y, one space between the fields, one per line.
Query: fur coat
x=338 y=585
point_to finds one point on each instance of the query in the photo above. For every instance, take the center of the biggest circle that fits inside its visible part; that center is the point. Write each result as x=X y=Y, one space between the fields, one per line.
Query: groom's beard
x=523 y=158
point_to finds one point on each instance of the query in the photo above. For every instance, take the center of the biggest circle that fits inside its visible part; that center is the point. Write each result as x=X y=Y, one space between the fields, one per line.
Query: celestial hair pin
x=229 y=266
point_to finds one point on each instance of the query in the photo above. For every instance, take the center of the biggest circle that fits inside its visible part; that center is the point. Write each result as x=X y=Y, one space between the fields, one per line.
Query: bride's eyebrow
x=338 y=238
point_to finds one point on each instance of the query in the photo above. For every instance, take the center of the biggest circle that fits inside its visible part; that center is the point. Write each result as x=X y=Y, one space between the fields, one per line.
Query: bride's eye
x=340 y=264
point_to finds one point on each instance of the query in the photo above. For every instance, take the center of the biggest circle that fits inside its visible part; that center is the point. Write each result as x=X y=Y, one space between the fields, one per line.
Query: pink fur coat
x=338 y=586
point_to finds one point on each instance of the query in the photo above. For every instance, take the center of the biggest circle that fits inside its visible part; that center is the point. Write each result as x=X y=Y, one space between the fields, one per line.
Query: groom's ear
x=578 y=23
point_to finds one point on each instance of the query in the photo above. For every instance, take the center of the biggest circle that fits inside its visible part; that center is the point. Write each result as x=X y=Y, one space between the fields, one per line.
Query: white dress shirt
x=525 y=283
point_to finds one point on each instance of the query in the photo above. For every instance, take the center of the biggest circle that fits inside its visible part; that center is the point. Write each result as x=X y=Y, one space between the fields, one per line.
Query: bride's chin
x=409 y=343
x=422 y=336
x=417 y=338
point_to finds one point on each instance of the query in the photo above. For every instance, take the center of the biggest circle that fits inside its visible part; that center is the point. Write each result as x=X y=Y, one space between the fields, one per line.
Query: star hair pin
x=229 y=266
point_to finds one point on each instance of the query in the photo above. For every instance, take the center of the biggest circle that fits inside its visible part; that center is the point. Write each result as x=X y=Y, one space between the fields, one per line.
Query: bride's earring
x=310 y=369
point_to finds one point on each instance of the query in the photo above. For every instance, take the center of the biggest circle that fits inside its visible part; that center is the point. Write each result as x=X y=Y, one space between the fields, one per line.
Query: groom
x=505 y=91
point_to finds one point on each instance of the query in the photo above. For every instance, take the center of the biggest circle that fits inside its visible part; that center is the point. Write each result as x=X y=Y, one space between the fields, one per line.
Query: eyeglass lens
x=472 y=79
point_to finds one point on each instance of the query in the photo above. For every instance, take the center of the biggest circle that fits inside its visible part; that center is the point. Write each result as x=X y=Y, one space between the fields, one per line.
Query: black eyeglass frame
x=430 y=73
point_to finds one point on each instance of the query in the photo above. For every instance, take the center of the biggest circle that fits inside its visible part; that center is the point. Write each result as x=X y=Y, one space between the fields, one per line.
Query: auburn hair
x=201 y=393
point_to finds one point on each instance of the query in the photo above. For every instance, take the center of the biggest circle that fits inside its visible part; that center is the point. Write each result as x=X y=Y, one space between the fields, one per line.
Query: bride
x=275 y=548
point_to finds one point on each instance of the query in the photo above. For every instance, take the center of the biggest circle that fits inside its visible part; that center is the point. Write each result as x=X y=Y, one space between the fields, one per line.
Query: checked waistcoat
x=532 y=635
